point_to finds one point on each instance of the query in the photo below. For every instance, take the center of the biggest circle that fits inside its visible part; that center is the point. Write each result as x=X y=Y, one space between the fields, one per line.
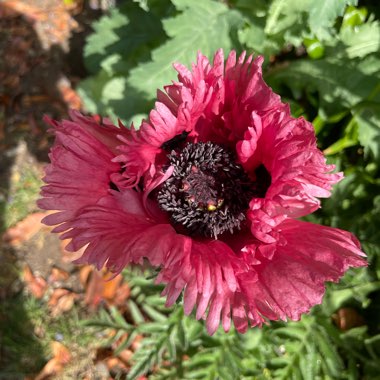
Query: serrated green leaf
x=204 y=26
x=254 y=37
x=361 y=40
x=111 y=96
x=338 y=88
x=373 y=346
x=200 y=373
x=90 y=90
x=114 y=338
x=104 y=36
x=288 y=373
x=283 y=14
x=182 y=337
x=323 y=14
x=257 y=7
x=128 y=31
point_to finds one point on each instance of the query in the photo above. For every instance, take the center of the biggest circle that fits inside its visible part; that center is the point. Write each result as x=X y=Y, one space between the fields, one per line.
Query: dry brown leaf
x=84 y=274
x=346 y=318
x=137 y=342
x=64 y=303
x=69 y=96
x=60 y=352
x=99 y=287
x=56 y=295
x=126 y=356
x=61 y=300
x=36 y=285
x=94 y=289
x=27 y=10
x=31 y=100
x=58 y=25
x=110 y=287
x=122 y=294
x=58 y=274
x=114 y=363
x=51 y=368
x=54 y=366
x=24 y=230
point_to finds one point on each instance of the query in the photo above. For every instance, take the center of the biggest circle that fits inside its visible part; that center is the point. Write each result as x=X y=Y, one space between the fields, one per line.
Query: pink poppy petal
x=293 y=280
x=79 y=173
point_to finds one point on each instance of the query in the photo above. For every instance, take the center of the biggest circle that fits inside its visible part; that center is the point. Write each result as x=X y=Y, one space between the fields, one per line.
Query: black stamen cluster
x=208 y=192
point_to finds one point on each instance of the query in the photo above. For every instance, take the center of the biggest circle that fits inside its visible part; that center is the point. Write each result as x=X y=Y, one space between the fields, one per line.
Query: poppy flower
x=209 y=189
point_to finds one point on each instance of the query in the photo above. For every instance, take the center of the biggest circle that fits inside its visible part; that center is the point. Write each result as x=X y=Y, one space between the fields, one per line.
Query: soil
x=41 y=43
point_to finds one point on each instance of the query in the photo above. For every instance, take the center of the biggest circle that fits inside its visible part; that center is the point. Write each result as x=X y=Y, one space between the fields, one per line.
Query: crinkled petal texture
x=113 y=226
x=251 y=290
x=230 y=104
x=80 y=168
x=299 y=173
x=117 y=231
x=102 y=182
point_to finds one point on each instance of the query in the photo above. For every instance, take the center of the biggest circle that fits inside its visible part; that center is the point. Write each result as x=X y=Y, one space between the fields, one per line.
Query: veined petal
x=79 y=173
x=293 y=280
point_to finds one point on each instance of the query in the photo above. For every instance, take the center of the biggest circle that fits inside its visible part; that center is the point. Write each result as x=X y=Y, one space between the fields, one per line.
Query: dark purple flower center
x=208 y=193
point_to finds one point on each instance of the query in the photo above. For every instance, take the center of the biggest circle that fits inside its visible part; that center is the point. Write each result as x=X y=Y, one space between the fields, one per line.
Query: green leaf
x=293 y=332
x=323 y=14
x=368 y=120
x=135 y=312
x=126 y=343
x=361 y=40
x=143 y=362
x=204 y=26
x=254 y=37
x=128 y=31
x=153 y=313
x=112 y=96
x=104 y=36
x=333 y=79
x=91 y=92
x=331 y=358
x=119 y=318
x=283 y=14
x=350 y=138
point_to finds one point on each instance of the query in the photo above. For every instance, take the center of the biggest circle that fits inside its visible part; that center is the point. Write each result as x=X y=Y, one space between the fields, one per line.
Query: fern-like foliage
x=177 y=347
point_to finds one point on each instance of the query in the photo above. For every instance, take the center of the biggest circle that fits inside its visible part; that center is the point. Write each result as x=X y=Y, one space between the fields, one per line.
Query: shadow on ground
x=33 y=81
